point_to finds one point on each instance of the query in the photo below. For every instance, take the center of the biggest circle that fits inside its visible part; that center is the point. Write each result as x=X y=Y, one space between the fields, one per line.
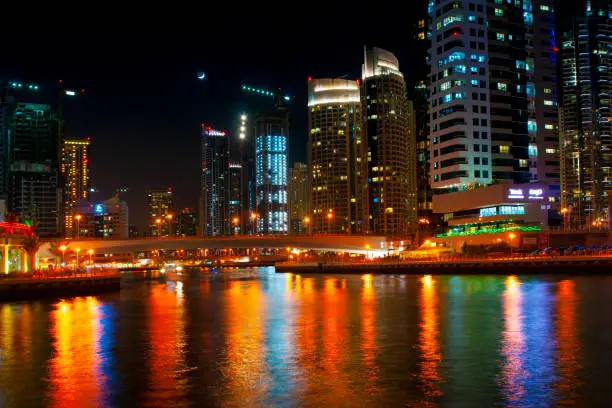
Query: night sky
x=143 y=103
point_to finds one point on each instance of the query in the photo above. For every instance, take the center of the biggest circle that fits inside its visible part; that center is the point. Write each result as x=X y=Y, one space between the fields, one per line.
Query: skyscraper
x=74 y=170
x=236 y=182
x=492 y=94
x=33 y=166
x=391 y=144
x=297 y=191
x=214 y=199
x=160 y=203
x=271 y=133
x=336 y=157
x=586 y=117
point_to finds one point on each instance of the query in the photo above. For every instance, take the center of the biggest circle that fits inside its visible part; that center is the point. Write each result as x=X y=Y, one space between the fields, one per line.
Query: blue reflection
x=105 y=348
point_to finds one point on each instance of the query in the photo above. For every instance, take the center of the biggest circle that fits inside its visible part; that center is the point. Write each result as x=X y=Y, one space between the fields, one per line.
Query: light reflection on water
x=288 y=340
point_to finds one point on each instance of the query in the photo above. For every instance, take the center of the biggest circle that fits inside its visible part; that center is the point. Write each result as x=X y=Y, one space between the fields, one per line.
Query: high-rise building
x=186 y=223
x=160 y=203
x=32 y=157
x=235 y=195
x=214 y=201
x=391 y=146
x=74 y=170
x=586 y=117
x=336 y=157
x=271 y=133
x=297 y=191
x=492 y=95
x=106 y=219
x=7 y=104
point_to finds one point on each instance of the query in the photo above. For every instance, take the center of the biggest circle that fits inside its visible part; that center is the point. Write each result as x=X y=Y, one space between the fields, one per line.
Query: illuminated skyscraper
x=271 y=133
x=298 y=199
x=336 y=157
x=160 y=209
x=586 y=117
x=236 y=183
x=74 y=169
x=214 y=199
x=391 y=146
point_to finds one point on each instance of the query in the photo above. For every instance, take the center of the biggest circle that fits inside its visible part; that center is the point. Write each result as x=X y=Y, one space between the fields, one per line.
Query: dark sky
x=143 y=104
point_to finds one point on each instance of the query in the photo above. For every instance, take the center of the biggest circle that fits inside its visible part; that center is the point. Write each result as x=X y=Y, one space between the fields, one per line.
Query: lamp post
x=307 y=222
x=63 y=249
x=90 y=252
x=78 y=222
x=511 y=236
x=158 y=222
x=169 y=218
x=330 y=217
x=253 y=223
x=77 y=257
x=235 y=222
x=564 y=212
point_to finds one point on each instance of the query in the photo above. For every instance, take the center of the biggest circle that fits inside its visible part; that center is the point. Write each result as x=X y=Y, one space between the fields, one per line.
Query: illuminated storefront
x=498 y=208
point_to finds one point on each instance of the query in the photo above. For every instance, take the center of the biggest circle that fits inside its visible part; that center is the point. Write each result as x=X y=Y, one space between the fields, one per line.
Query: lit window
x=499 y=12
x=504 y=149
x=547 y=91
x=544 y=7
x=551 y=150
x=502 y=86
x=548 y=102
x=501 y=37
x=548 y=126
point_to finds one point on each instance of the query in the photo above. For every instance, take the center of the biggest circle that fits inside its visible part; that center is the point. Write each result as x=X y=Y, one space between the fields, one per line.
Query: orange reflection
x=513 y=372
x=75 y=374
x=429 y=342
x=244 y=369
x=568 y=341
x=334 y=338
x=368 y=333
x=167 y=343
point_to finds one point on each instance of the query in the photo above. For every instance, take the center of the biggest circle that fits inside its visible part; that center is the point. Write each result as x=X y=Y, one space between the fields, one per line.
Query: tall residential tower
x=214 y=199
x=74 y=170
x=391 y=146
x=336 y=157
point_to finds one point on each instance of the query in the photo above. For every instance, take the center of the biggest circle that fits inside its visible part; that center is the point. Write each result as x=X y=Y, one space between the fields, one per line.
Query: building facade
x=236 y=183
x=32 y=157
x=102 y=220
x=186 y=223
x=336 y=157
x=161 y=204
x=391 y=146
x=214 y=202
x=272 y=131
x=586 y=117
x=297 y=191
x=74 y=170
x=492 y=95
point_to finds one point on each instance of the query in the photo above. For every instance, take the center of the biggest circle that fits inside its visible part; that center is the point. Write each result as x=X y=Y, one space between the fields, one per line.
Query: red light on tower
x=310 y=78
x=358 y=81
x=555 y=48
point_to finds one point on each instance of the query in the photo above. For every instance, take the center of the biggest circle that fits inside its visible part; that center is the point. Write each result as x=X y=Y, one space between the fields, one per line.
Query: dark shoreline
x=30 y=289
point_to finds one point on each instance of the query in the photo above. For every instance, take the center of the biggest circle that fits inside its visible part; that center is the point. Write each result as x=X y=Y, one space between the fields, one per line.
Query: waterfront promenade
x=457 y=265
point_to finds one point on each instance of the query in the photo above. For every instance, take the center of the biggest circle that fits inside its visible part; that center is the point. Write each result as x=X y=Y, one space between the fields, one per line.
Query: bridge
x=366 y=244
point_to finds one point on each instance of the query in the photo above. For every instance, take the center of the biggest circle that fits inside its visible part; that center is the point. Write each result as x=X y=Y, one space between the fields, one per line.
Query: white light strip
x=336 y=100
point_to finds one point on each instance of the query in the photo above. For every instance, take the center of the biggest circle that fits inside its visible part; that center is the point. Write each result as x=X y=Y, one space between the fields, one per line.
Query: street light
x=564 y=211
x=235 y=221
x=307 y=222
x=511 y=236
x=78 y=221
x=63 y=249
x=90 y=252
x=77 y=257
x=169 y=218
x=158 y=222
x=253 y=223
x=330 y=216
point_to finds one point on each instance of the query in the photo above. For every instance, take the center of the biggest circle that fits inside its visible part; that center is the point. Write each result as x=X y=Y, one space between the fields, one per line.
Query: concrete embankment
x=41 y=287
x=483 y=267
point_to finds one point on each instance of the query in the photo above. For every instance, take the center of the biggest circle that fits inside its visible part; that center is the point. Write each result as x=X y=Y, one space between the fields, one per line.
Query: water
x=261 y=339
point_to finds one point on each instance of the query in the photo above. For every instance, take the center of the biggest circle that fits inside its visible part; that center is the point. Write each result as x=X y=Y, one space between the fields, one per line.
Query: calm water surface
x=263 y=339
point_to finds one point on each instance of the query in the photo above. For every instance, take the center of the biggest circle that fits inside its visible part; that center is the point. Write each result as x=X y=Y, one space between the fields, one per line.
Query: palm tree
x=31 y=245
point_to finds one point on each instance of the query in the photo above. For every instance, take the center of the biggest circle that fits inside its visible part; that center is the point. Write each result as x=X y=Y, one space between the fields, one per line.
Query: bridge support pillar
x=25 y=266
x=4 y=251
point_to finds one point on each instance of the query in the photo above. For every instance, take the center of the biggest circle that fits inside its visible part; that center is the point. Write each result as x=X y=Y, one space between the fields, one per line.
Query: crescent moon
x=201 y=75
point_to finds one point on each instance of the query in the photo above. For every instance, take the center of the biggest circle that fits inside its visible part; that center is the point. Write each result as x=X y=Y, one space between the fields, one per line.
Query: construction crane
x=279 y=97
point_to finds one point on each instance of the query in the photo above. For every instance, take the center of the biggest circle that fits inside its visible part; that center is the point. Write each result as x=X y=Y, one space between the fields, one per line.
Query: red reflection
x=74 y=371
x=429 y=342
x=513 y=373
x=166 y=340
x=244 y=370
x=568 y=341
x=368 y=333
